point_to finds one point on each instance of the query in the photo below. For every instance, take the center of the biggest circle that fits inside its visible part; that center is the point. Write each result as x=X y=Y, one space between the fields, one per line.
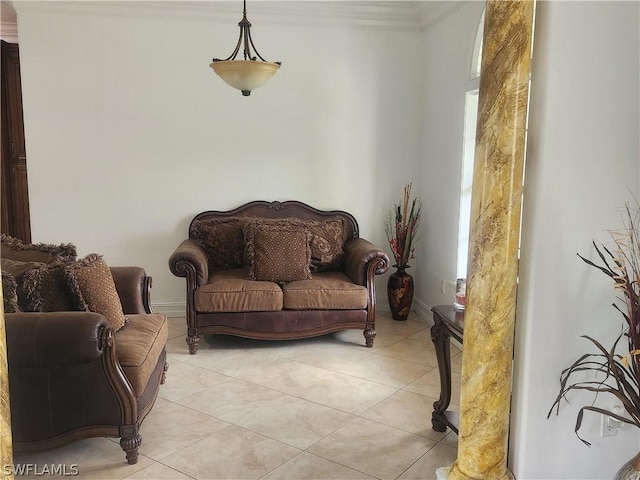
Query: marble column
x=493 y=249
x=6 y=455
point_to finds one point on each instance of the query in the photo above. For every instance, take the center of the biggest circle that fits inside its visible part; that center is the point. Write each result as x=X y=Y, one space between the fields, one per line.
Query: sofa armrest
x=54 y=338
x=133 y=286
x=190 y=260
x=363 y=260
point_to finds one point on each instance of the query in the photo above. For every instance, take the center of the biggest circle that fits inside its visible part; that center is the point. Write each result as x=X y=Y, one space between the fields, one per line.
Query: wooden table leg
x=440 y=336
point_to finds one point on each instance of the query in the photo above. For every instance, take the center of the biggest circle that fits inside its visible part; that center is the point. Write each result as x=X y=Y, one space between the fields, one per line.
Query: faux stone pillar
x=6 y=456
x=493 y=249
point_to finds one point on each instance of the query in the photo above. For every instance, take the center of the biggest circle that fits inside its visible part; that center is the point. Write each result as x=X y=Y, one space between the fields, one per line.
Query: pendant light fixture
x=247 y=74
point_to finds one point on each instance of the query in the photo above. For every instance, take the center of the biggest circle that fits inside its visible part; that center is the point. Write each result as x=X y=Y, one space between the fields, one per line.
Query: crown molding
x=431 y=13
x=395 y=15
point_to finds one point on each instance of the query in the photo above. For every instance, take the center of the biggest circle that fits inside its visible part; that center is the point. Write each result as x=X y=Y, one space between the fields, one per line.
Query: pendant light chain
x=248 y=74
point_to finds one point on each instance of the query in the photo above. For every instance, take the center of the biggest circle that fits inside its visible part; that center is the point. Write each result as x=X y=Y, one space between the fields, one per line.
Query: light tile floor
x=321 y=408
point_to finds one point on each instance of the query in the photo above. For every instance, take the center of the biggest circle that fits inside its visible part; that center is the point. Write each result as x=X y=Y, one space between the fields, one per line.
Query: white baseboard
x=418 y=306
x=170 y=309
x=382 y=304
x=423 y=310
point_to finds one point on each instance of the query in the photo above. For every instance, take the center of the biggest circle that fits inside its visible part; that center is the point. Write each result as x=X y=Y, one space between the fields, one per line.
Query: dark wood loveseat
x=225 y=294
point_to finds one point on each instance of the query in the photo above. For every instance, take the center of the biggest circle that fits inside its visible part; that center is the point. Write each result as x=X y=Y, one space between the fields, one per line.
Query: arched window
x=468 y=151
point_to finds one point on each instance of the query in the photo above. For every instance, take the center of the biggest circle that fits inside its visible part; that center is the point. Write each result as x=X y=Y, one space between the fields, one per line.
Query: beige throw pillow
x=326 y=239
x=92 y=282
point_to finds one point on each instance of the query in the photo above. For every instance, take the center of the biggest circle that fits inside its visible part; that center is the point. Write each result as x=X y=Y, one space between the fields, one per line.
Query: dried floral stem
x=402 y=227
x=621 y=372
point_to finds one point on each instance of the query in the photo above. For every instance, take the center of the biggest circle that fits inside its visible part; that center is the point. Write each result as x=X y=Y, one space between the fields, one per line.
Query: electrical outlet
x=609 y=426
x=606 y=429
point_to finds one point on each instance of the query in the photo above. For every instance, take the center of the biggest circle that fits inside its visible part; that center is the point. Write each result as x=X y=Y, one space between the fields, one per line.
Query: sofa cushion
x=139 y=346
x=222 y=240
x=9 y=293
x=14 y=249
x=325 y=291
x=92 y=283
x=232 y=291
x=277 y=252
x=47 y=289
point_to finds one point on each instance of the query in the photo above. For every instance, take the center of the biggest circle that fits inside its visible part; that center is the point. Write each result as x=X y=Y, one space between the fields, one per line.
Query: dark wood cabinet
x=15 y=190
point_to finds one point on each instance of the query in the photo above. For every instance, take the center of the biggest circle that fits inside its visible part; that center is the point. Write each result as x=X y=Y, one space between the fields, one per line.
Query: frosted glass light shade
x=245 y=75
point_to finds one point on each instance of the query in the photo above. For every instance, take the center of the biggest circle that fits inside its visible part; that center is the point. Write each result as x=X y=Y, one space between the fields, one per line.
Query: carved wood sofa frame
x=363 y=261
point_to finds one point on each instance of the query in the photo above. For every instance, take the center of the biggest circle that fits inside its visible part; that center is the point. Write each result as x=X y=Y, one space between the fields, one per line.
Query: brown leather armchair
x=71 y=376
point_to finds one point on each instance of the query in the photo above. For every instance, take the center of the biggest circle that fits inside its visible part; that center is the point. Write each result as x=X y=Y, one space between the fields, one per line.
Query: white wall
x=448 y=48
x=130 y=133
x=582 y=166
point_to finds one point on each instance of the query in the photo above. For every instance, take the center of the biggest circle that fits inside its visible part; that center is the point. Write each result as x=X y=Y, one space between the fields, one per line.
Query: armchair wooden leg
x=369 y=335
x=193 y=341
x=131 y=445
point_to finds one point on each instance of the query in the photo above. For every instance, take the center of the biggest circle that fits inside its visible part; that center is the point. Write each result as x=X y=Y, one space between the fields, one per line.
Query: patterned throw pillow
x=9 y=293
x=327 y=242
x=277 y=253
x=17 y=270
x=47 y=289
x=14 y=249
x=92 y=282
x=326 y=239
x=222 y=240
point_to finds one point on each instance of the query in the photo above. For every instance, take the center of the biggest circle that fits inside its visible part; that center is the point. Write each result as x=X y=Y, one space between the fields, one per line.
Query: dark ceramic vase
x=400 y=292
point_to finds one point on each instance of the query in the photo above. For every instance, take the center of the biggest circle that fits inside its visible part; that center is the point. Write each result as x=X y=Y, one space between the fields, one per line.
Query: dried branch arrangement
x=402 y=227
x=616 y=373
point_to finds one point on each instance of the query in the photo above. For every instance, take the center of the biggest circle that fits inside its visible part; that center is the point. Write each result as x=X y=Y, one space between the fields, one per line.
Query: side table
x=448 y=322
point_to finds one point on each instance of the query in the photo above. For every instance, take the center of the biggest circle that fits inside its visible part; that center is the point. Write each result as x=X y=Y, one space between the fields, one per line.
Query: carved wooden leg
x=369 y=335
x=193 y=341
x=440 y=337
x=131 y=445
x=436 y=425
x=164 y=373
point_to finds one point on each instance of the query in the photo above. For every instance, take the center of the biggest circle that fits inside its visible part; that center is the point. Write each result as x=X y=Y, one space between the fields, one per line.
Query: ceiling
x=386 y=15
